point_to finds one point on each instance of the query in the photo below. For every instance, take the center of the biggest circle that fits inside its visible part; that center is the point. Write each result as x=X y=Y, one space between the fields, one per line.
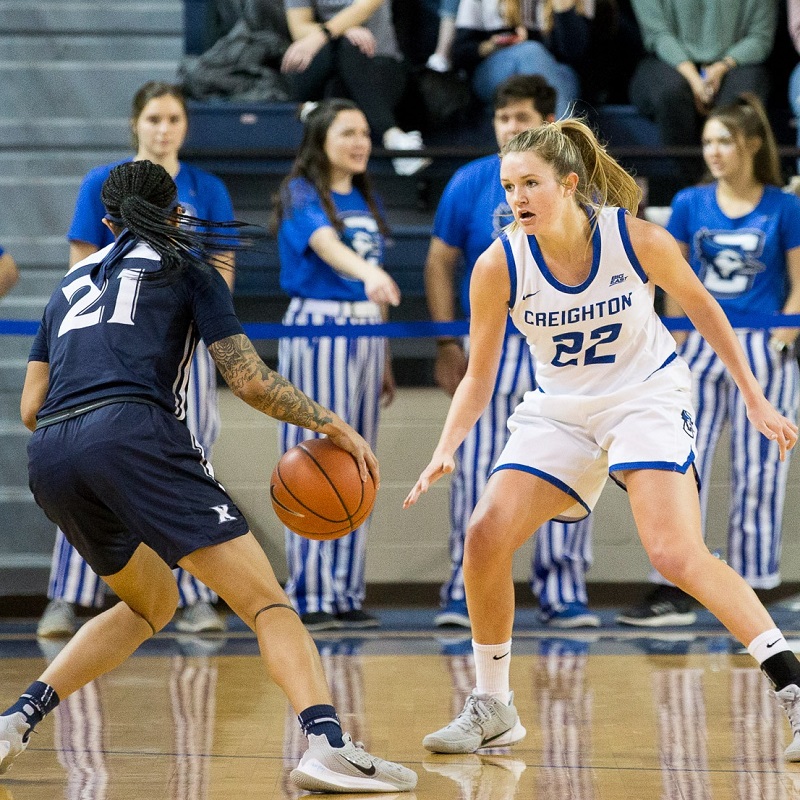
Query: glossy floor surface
x=611 y=715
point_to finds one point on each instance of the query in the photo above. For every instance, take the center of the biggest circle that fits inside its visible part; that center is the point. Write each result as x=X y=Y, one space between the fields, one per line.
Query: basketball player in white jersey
x=577 y=275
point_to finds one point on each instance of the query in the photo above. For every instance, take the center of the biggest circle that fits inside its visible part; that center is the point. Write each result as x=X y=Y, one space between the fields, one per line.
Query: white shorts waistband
x=335 y=308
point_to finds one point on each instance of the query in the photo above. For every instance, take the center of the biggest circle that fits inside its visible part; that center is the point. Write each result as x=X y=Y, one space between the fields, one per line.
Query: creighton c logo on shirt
x=224 y=516
x=729 y=260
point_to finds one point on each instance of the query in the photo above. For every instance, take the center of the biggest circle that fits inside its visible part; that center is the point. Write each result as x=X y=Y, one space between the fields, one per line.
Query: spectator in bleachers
x=9 y=274
x=441 y=60
x=793 y=8
x=741 y=235
x=349 y=48
x=700 y=54
x=331 y=239
x=615 y=49
x=496 y=39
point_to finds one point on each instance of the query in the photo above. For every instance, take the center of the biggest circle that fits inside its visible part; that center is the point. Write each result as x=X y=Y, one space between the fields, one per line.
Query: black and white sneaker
x=664 y=606
x=349 y=769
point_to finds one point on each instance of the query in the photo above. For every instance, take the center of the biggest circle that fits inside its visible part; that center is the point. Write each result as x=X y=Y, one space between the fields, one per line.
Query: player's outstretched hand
x=349 y=439
x=440 y=465
x=773 y=425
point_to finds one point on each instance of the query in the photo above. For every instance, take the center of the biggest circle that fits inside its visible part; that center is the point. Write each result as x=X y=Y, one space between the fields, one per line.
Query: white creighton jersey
x=594 y=338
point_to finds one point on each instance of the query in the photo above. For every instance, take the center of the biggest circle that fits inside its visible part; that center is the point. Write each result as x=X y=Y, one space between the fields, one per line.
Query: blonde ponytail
x=569 y=145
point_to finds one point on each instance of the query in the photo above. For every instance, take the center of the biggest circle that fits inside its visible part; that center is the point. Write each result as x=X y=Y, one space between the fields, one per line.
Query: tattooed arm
x=265 y=390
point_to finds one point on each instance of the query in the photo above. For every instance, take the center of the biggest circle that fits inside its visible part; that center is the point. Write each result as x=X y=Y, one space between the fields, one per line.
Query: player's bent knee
x=483 y=543
x=670 y=562
x=159 y=614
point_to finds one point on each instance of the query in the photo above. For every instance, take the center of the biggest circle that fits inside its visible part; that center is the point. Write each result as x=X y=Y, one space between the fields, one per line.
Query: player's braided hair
x=142 y=197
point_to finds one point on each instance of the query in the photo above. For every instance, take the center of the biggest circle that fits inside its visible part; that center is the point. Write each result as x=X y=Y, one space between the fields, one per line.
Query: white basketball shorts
x=575 y=443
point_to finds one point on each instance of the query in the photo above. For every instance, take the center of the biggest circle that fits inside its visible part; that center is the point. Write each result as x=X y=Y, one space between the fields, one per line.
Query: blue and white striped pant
x=562 y=552
x=71 y=578
x=346 y=376
x=758 y=477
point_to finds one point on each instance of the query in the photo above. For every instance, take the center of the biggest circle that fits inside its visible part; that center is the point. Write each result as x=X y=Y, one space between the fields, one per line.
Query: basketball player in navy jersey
x=159 y=123
x=471 y=213
x=112 y=462
x=576 y=271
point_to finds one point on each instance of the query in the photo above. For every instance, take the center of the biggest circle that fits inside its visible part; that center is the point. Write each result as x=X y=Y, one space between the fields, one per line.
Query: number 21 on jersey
x=87 y=309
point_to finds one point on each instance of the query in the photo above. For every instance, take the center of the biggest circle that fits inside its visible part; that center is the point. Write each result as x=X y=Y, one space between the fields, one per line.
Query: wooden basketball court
x=609 y=717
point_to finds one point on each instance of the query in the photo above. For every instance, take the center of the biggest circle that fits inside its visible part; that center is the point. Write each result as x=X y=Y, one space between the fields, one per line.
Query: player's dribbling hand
x=350 y=440
x=440 y=465
x=777 y=428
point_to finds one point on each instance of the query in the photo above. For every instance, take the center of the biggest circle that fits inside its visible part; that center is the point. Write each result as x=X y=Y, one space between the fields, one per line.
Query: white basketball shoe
x=324 y=768
x=483 y=722
x=12 y=739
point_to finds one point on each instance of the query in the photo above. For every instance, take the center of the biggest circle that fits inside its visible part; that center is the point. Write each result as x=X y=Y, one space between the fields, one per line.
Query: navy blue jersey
x=127 y=335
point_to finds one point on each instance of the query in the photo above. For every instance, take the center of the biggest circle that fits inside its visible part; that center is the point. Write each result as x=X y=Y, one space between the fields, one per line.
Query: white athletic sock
x=492 y=667
x=767 y=644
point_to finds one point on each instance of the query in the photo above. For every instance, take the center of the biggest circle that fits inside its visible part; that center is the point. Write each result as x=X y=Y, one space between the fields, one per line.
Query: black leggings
x=375 y=84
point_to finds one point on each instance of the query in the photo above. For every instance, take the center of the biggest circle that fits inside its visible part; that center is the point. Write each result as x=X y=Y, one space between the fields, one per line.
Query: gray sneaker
x=201 y=617
x=789 y=698
x=57 y=621
x=348 y=769
x=12 y=739
x=484 y=722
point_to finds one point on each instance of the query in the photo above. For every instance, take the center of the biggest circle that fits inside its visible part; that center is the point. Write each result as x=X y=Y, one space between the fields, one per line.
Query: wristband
x=327 y=31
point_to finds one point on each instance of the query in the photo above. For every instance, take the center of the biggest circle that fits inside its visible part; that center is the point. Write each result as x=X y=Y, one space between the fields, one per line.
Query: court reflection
x=565 y=718
x=488 y=777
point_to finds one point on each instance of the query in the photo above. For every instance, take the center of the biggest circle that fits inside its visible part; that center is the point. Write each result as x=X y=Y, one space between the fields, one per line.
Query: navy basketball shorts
x=576 y=442
x=129 y=473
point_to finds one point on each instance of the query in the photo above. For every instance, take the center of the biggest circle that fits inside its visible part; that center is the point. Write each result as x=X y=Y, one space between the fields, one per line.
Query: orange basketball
x=317 y=491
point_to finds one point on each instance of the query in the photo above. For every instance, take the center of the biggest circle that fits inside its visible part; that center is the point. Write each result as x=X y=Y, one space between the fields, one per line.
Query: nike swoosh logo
x=369 y=771
x=497 y=658
x=526 y=296
x=772 y=644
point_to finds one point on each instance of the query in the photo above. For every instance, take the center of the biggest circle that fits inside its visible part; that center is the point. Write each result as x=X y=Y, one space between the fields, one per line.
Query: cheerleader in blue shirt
x=331 y=236
x=741 y=235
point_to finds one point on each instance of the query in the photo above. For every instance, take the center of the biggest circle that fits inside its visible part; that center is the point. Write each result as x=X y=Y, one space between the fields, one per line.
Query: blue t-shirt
x=741 y=261
x=199 y=193
x=471 y=213
x=303 y=272
x=129 y=335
